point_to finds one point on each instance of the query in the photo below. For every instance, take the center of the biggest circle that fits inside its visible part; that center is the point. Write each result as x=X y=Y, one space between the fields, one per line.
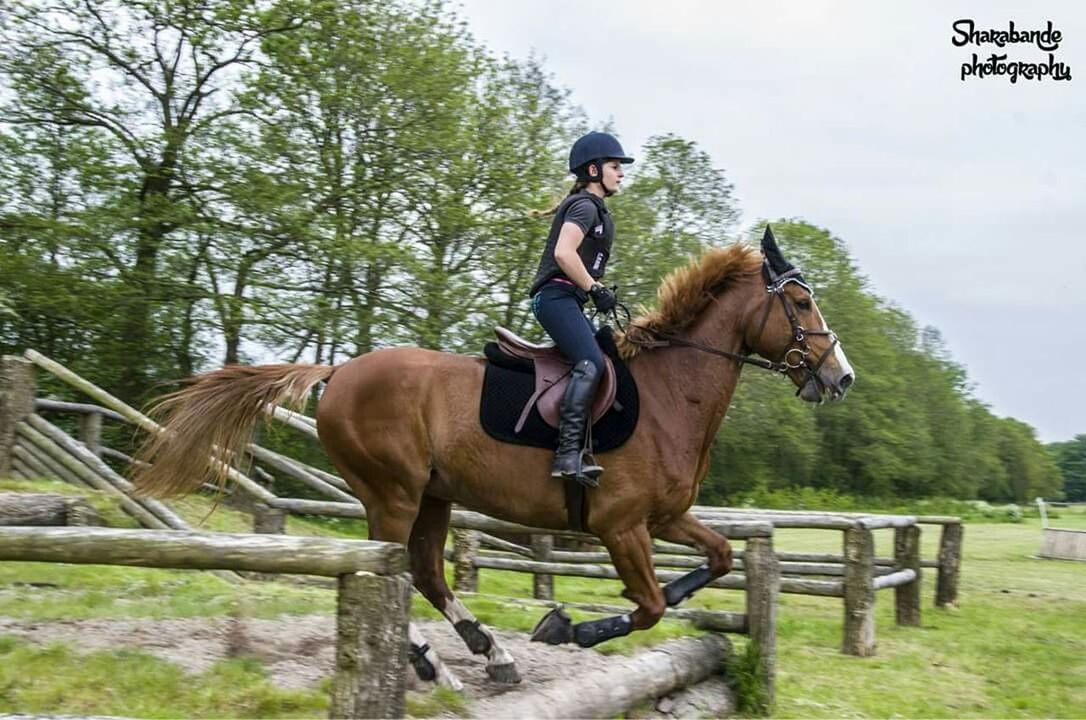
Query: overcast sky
x=963 y=202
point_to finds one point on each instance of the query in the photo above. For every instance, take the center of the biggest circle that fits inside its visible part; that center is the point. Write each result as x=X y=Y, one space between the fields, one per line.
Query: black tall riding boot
x=574 y=415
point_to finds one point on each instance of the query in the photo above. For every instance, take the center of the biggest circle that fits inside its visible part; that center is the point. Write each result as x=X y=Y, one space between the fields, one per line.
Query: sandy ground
x=298 y=652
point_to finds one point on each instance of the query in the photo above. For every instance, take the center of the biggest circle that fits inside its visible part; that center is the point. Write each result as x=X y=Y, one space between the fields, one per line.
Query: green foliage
x=830 y=500
x=910 y=427
x=744 y=675
x=184 y=186
x=675 y=204
x=1070 y=458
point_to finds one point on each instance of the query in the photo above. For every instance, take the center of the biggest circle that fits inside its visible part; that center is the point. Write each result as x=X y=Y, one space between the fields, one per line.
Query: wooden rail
x=373 y=602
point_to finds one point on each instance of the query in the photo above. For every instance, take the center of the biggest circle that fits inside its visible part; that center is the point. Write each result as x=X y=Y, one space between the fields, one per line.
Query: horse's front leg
x=631 y=554
x=688 y=530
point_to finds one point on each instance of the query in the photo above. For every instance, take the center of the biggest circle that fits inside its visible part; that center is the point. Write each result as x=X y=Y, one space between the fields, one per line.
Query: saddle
x=523 y=384
x=552 y=373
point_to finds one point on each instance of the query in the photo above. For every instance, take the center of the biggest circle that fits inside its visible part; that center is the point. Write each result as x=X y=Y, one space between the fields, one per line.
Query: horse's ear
x=773 y=254
x=775 y=265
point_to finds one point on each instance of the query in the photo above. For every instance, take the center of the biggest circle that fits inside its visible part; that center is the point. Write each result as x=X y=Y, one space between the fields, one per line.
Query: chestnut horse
x=402 y=427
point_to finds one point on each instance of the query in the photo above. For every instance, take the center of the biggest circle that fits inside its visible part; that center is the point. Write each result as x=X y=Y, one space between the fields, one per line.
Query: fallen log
x=46 y=509
x=612 y=691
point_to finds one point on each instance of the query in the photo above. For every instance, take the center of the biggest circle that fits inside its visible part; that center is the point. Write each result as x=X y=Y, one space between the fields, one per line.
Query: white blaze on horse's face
x=845 y=375
x=838 y=351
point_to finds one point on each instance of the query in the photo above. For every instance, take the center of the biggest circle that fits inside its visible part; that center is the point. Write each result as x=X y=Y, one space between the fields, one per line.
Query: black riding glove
x=603 y=297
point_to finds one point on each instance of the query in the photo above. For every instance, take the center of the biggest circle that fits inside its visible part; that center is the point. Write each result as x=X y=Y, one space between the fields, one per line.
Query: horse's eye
x=803 y=304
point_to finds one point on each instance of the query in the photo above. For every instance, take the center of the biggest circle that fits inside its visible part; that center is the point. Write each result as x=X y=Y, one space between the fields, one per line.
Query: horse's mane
x=687 y=291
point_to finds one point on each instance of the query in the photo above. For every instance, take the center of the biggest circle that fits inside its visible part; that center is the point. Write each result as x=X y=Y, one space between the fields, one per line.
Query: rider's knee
x=589 y=367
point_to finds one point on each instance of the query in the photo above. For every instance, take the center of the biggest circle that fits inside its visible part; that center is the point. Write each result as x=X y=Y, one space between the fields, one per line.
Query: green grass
x=1015 y=648
x=134 y=684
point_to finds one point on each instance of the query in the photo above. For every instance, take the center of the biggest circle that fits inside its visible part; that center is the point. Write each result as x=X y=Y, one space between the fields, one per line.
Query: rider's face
x=612 y=176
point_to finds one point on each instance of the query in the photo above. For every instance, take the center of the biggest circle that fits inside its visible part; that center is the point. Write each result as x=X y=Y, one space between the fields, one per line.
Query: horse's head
x=787 y=327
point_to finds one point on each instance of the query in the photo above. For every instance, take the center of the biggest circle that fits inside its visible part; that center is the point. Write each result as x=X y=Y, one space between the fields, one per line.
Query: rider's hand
x=603 y=297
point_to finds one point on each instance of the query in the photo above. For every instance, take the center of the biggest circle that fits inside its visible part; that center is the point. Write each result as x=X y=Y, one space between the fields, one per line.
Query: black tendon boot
x=574 y=415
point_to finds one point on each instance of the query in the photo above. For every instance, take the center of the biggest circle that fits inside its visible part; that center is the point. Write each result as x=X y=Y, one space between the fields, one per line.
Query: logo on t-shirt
x=599 y=260
x=598 y=230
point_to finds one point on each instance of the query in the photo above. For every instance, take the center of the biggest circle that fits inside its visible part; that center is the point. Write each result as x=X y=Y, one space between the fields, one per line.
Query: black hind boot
x=574 y=415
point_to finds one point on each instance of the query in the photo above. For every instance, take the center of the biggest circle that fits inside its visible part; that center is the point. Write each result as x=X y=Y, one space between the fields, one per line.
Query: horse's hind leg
x=391 y=511
x=427 y=550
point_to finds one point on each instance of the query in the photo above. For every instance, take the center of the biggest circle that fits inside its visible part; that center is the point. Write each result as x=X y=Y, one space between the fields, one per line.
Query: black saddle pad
x=509 y=382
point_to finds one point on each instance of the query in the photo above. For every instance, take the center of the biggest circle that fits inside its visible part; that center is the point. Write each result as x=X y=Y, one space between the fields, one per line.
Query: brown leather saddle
x=552 y=372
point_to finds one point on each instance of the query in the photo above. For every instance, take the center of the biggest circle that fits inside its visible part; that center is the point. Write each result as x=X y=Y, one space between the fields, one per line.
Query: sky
x=964 y=202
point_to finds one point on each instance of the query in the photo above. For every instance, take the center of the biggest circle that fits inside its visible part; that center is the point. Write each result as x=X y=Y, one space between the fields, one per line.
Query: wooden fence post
x=542 y=585
x=90 y=431
x=907 y=557
x=859 y=634
x=269 y=520
x=465 y=548
x=16 y=402
x=763 y=588
x=950 y=565
x=371 y=645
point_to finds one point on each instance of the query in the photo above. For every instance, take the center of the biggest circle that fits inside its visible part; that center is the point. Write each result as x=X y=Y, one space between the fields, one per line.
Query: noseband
x=798 y=347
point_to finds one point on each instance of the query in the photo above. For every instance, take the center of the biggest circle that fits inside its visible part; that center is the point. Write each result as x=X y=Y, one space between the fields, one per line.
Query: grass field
x=1015 y=648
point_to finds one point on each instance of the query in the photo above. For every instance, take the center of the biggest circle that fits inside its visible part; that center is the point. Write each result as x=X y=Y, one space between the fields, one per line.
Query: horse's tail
x=208 y=423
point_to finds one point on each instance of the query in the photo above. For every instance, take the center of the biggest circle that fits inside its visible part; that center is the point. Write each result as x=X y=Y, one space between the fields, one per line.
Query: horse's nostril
x=846 y=381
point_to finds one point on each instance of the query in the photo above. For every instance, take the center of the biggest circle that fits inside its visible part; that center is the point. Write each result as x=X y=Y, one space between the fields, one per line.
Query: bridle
x=775 y=286
x=798 y=355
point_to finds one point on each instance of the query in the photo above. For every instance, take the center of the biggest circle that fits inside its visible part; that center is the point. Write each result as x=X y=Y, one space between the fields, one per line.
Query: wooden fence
x=855 y=576
x=372 y=608
x=947 y=562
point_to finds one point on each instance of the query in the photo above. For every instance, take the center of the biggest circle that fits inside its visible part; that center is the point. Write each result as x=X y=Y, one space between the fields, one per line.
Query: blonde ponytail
x=577 y=187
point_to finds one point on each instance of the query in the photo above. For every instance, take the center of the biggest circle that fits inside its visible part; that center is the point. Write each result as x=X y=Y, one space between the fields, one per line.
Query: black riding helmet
x=595 y=147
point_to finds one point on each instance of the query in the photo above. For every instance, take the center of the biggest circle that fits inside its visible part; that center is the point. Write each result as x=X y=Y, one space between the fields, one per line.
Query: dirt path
x=299 y=651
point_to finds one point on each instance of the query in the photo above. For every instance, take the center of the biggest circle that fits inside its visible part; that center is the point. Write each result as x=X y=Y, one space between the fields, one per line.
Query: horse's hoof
x=450 y=681
x=506 y=673
x=555 y=628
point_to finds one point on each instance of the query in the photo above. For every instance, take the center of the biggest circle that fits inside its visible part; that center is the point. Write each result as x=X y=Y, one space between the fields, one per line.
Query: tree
x=1070 y=457
x=676 y=203
x=149 y=80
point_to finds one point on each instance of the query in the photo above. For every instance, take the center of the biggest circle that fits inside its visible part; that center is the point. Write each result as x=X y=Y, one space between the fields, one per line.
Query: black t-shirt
x=589 y=213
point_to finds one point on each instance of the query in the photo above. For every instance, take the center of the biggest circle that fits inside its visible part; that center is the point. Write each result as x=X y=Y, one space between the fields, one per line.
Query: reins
x=668 y=340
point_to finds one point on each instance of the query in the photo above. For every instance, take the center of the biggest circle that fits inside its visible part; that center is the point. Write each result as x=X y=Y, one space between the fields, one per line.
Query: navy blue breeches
x=558 y=310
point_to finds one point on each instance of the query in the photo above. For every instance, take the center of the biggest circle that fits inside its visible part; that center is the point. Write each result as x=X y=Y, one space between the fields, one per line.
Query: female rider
x=573 y=262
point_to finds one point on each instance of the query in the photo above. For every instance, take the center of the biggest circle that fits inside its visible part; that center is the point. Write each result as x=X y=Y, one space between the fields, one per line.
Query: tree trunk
x=137 y=310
